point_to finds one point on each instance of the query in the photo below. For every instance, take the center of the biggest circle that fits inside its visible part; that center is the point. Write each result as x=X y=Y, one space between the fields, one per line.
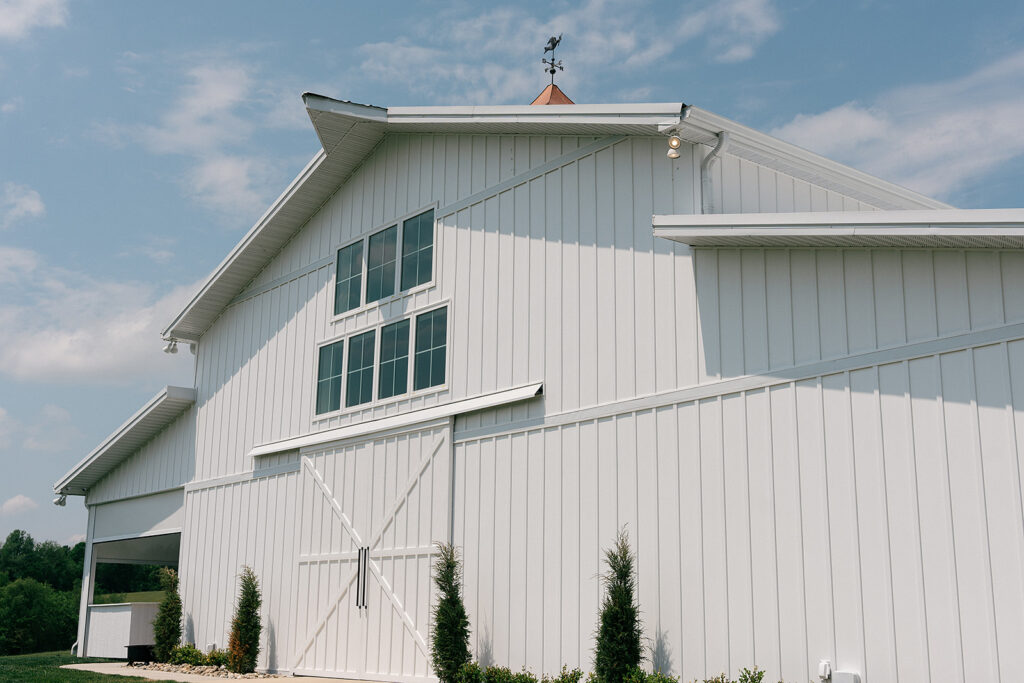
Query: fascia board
x=169 y=393
x=832 y=219
x=413 y=417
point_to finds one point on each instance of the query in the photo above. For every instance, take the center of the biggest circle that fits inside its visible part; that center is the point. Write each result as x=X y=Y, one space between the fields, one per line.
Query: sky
x=140 y=140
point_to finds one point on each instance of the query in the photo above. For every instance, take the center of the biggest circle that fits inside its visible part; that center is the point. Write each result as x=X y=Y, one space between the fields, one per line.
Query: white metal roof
x=349 y=131
x=949 y=228
x=158 y=412
x=466 y=405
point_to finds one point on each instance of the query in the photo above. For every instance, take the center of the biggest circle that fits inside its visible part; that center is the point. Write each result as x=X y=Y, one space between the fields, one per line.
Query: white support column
x=88 y=582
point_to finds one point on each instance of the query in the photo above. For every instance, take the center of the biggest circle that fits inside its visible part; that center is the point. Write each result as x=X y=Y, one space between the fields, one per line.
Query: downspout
x=707 y=190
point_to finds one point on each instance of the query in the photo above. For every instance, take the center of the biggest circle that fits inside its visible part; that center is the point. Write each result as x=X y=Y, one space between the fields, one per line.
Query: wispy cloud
x=19 y=17
x=74 y=539
x=12 y=105
x=18 y=202
x=61 y=325
x=934 y=138
x=17 y=504
x=53 y=432
x=601 y=35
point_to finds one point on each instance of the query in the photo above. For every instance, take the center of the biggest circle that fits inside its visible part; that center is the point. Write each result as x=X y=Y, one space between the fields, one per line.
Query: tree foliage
x=167 y=625
x=449 y=639
x=244 y=642
x=619 y=634
x=34 y=617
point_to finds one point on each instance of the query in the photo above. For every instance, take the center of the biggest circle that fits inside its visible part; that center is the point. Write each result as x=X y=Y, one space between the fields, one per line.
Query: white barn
x=800 y=389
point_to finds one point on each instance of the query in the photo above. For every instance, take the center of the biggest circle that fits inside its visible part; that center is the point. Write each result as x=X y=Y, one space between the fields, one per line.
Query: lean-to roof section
x=349 y=132
x=158 y=412
x=936 y=229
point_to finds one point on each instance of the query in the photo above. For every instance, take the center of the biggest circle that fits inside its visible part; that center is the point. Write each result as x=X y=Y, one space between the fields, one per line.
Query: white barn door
x=370 y=515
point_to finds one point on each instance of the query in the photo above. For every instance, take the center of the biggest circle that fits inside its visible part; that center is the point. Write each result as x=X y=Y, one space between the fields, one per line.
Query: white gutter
x=707 y=188
x=359 y=429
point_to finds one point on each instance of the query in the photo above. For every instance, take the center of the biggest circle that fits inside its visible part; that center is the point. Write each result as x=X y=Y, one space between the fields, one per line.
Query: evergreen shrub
x=217 y=657
x=449 y=639
x=244 y=642
x=187 y=654
x=167 y=625
x=619 y=635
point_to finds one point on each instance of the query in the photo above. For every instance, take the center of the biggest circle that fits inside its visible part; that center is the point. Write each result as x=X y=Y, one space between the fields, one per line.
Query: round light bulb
x=675 y=142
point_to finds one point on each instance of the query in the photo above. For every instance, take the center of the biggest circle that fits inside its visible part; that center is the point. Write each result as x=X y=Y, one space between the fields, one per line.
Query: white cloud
x=74 y=539
x=17 y=202
x=11 y=105
x=933 y=138
x=60 y=325
x=600 y=35
x=19 y=17
x=18 y=504
x=52 y=433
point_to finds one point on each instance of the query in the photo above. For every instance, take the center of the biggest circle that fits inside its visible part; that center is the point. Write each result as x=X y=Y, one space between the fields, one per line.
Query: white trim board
x=466 y=405
x=733 y=385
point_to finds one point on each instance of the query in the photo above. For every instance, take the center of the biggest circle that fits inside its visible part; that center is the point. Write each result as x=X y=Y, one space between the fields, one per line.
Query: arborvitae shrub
x=167 y=625
x=449 y=639
x=619 y=634
x=244 y=643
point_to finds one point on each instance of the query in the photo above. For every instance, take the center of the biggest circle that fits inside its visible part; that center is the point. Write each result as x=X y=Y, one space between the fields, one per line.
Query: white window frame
x=399 y=294
x=376 y=328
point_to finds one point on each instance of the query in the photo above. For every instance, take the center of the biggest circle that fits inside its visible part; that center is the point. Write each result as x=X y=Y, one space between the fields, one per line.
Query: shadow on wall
x=485 y=651
x=661 y=654
x=271 y=647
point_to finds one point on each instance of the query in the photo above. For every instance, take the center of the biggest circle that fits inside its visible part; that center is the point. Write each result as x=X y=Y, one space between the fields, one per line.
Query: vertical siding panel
x=692 y=609
x=890 y=316
x=984 y=288
x=1012 y=271
x=756 y=347
x=624 y=320
x=954 y=313
x=804 y=292
x=568 y=357
x=644 y=338
x=550 y=563
x=708 y=343
x=737 y=532
x=730 y=312
x=716 y=577
x=779 y=303
x=606 y=279
x=553 y=294
x=569 y=584
x=831 y=304
x=668 y=628
x=590 y=538
x=588 y=303
x=860 y=300
x=534 y=565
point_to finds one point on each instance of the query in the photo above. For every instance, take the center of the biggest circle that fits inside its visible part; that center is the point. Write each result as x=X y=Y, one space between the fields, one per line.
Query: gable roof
x=349 y=131
x=158 y=412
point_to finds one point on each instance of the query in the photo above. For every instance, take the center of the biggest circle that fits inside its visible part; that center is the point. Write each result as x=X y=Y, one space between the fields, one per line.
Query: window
x=348 y=278
x=381 y=261
x=417 y=249
x=431 y=336
x=393 y=375
x=359 y=379
x=385 y=271
x=328 y=384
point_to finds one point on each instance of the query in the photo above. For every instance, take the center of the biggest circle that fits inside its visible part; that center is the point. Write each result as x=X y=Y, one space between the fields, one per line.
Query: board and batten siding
x=165 y=462
x=558 y=256
x=871 y=517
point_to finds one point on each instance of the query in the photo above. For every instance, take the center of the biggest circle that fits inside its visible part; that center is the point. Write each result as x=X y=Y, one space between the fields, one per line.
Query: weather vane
x=551 y=65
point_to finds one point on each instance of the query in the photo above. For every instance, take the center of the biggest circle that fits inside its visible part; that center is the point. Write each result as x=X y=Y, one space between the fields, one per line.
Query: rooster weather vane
x=551 y=66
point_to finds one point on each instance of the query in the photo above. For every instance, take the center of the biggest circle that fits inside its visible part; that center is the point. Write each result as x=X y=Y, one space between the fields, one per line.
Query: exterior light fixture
x=674 y=143
x=172 y=347
x=60 y=500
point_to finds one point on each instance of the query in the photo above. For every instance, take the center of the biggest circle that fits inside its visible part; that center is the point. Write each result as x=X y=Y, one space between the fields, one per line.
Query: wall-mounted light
x=172 y=347
x=674 y=143
x=60 y=500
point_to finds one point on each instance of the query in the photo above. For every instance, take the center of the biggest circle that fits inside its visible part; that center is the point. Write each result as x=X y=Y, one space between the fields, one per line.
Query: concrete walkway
x=122 y=669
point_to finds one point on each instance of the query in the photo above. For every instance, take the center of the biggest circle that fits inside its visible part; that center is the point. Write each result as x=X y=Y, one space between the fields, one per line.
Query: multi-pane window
x=393 y=374
x=359 y=378
x=381 y=261
x=385 y=271
x=431 y=336
x=417 y=249
x=348 y=278
x=328 y=384
x=412 y=355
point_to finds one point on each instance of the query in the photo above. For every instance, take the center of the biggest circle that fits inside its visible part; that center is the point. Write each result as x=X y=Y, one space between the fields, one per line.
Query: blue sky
x=140 y=140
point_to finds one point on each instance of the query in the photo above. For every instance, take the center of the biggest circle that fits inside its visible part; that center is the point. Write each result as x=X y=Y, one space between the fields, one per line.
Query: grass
x=43 y=667
x=144 y=596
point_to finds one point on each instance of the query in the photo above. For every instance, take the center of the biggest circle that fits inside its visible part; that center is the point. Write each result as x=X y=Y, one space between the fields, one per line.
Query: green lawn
x=43 y=667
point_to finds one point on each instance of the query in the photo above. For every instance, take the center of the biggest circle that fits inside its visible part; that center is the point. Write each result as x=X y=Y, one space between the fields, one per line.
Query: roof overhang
x=349 y=132
x=158 y=412
x=952 y=228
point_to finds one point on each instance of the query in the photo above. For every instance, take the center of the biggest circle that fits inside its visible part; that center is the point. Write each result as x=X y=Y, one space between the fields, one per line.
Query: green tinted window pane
x=348 y=278
x=431 y=341
x=381 y=263
x=394 y=360
x=417 y=249
x=359 y=378
x=329 y=371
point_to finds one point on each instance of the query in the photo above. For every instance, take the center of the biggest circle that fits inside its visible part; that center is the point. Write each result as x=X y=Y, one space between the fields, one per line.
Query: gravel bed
x=211 y=671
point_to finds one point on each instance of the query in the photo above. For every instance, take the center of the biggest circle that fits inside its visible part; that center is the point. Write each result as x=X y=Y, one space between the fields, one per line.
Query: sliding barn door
x=370 y=516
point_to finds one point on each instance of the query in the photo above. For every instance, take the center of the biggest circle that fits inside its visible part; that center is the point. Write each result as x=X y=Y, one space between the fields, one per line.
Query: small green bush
x=167 y=625
x=619 y=634
x=567 y=675
x=187 y=654
x=449 y=639
x=217 y=657
x=244 y=642
x=751 y=676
